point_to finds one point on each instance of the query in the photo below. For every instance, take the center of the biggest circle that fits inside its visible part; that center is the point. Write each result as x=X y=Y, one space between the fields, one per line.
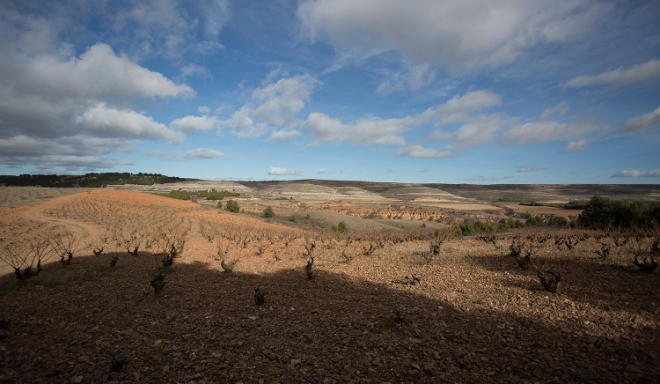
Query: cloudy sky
x=473 y=91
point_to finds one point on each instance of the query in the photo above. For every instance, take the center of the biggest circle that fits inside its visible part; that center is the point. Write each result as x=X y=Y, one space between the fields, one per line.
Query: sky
x=425 y=91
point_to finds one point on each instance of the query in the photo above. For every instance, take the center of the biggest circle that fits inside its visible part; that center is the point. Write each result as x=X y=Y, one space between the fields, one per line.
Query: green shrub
x=423 y=225
x=232 y=206
x=181 y=195
x=342 y=227
x=473 y=227
x=601 y=212
x=268 y=212
x=307 y=217
x=458 y=231
x=214 y=195
x=220 y=204
x=533 y=221
x=334 y=228
x=293 y=219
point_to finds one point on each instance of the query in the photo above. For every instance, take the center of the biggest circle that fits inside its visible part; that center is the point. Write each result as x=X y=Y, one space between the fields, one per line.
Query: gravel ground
x=473 y=316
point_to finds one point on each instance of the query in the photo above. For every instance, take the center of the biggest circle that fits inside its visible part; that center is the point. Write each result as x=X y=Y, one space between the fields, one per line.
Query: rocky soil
x=470 y=315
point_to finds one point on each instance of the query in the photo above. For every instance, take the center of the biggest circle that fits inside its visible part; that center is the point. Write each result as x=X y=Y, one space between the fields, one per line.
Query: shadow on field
x=67 y=323
x=602 y=284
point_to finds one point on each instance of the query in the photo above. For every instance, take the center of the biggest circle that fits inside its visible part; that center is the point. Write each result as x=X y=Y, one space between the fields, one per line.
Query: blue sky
x=480 y=91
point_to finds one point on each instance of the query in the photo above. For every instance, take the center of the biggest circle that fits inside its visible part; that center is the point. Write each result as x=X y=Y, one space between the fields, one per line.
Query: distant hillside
x=89 y=180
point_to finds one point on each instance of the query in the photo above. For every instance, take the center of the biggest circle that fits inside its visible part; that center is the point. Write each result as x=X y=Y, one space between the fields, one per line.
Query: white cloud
x=419 y=152
x=641 y=122
x=369 y=130
x=73 y=163
x=242 y=124
x=56 y=104
x=546 y=131
x=26 y=147
x=107 y=121
x=470 y=102
x=127 y=162
x=216 y=15
x=202 y=110
x=323 y=171
x=560 y=109
x=478 y=130
x=284 y=172
x=526 y=169
x=166 y=27
x=575 y=146
x=192 y=124
x=463 y=34
x=635 y=173
x=281 y=101
x=97 y=73
x=204 y=153
x=639 y=73
x=417 y=77
x=194 y=69
x=283 y=135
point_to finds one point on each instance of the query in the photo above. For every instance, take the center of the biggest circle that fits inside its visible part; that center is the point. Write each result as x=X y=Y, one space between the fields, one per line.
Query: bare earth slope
x=473 y=316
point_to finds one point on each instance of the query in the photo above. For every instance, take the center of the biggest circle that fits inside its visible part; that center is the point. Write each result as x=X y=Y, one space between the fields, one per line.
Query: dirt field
x=540 y=210
x=375 y=311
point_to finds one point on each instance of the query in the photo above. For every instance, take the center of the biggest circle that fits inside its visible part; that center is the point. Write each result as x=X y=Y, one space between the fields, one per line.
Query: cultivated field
x=388 y=301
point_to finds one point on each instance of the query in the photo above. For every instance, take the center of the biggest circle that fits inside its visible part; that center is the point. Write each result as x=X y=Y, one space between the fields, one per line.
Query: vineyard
x=120 y=286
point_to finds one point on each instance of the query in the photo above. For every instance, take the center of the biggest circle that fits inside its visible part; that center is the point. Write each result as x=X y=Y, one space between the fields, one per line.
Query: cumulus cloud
x=204 y=153
x=369 y=130
x=97 y=73
x=575 y=146
x=642 y=122
x=277 y=104
x=193 y=124
x=463 y=34
x=63 y=164
x=415 y=78
x=635 y=173
x=472 y=101
x=474 y=126
x=419 y=152
x=546 y=131
x=106 y=121
x=560 y=109
x=281 y=101
x=57 y=104
x=167 y=28
x=649 y=71
x=526 y=169
x=283 y=135
x=284 y=172
x=195 y=70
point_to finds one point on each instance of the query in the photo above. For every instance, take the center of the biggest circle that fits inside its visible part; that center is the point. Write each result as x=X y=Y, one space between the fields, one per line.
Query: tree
x=268 y=212
x=232 y=206
x=342 y=227
x=293 y=219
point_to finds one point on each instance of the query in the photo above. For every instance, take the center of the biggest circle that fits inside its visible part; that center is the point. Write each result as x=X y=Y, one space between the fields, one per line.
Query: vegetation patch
x=213 y=194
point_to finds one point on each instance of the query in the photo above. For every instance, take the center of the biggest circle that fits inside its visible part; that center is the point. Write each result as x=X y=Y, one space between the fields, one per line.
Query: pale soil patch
x=469 y=207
